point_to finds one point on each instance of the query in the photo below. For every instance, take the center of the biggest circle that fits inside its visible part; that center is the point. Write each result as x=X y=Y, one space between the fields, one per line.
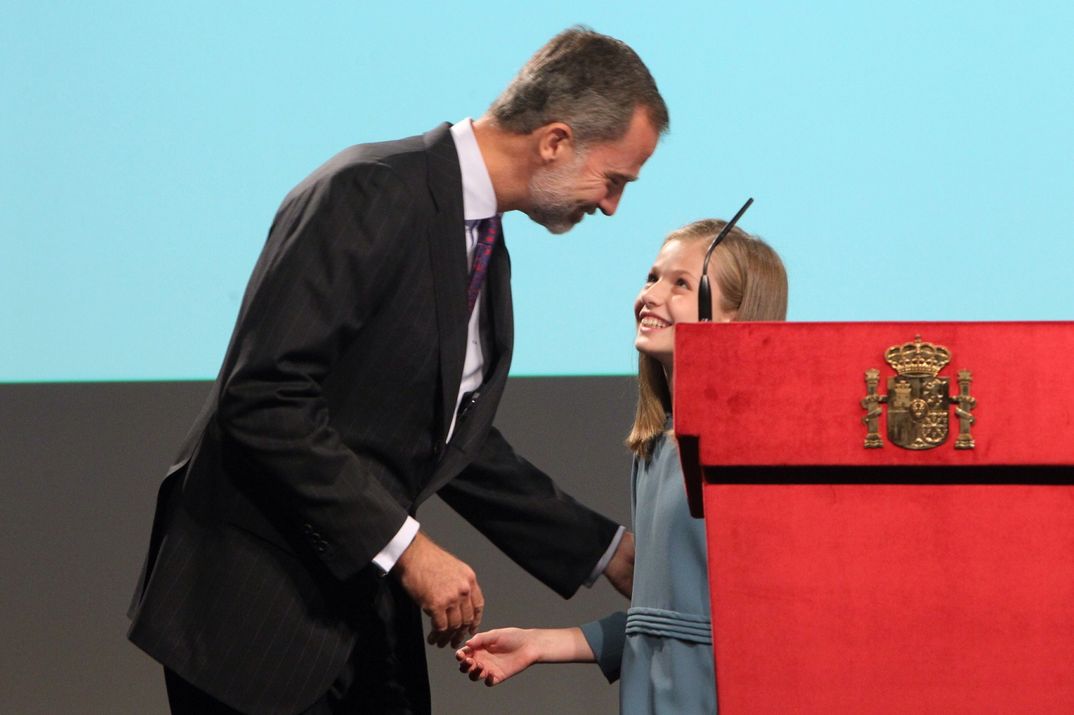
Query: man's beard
x=552 y=206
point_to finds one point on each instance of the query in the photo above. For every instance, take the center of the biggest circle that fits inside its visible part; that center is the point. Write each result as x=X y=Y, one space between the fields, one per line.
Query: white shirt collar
x=478 y=196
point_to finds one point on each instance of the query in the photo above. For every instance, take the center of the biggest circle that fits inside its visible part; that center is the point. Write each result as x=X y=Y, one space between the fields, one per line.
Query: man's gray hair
x=587 y=80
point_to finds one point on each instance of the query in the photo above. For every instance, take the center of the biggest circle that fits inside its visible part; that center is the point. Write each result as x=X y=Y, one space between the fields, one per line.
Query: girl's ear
x=729 y=317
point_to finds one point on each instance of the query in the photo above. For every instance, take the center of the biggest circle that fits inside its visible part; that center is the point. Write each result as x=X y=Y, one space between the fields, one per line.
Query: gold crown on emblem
x=918 y=358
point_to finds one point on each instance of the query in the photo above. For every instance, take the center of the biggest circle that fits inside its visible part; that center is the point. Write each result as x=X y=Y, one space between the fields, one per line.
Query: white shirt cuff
x=387 y=557
x=603 y=563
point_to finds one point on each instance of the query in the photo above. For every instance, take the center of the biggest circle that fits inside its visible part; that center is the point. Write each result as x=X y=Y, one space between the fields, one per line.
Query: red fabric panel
x=892 y=599
x=789 y=393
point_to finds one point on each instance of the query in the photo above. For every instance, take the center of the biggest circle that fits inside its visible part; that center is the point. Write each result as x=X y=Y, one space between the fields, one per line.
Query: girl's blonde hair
x=753 y=285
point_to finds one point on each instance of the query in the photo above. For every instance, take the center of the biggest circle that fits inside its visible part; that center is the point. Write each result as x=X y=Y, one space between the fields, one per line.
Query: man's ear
x=554 y=142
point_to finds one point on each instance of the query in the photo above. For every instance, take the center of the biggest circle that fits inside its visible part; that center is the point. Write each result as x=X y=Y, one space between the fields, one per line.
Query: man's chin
x=558 y=229
x=556 y=225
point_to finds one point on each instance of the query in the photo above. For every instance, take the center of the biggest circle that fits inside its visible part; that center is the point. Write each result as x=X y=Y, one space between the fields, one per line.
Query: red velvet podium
x=850 y=579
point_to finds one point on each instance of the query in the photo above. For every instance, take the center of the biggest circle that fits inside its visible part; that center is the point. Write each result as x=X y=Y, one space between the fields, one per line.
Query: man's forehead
x=624 y=158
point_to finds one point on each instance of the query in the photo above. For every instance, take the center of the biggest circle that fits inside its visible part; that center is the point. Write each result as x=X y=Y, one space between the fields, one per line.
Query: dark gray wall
x=79 y=469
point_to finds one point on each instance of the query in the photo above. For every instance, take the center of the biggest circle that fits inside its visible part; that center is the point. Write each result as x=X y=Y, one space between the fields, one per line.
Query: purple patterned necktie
x=488 y=230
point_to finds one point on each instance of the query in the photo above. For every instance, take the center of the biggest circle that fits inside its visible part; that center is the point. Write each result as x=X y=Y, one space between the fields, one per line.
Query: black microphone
x=704 y=292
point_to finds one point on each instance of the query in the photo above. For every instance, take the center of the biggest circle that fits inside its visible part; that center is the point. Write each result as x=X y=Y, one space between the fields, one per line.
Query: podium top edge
x=893 y=323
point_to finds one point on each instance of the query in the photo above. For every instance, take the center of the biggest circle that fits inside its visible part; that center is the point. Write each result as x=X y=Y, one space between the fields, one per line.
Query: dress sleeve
x=606 y=638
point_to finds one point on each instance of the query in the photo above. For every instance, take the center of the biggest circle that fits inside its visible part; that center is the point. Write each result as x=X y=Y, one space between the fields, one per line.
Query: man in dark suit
x=286 y=570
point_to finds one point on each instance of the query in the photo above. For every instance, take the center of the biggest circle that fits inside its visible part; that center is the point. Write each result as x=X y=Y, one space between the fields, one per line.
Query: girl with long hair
x=661 y=648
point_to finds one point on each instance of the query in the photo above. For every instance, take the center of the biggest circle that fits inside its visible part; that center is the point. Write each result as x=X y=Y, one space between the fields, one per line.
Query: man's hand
x=444 y=587
x=620 y=568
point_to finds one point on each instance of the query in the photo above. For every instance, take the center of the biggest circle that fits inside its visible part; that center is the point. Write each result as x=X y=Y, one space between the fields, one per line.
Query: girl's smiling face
x=670 y=297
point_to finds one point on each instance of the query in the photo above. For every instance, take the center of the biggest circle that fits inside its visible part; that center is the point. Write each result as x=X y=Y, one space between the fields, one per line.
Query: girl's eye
x=682 y=283
x=651 y=278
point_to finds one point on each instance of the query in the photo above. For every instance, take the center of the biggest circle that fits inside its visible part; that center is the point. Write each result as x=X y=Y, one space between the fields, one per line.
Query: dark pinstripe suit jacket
x=326 y=427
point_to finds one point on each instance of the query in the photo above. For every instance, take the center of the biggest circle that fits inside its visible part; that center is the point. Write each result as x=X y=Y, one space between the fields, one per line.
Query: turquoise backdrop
x=909 y=160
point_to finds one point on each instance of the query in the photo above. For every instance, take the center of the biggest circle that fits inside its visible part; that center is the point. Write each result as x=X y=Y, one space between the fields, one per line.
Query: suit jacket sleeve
x=521 y=510
x=330 y=250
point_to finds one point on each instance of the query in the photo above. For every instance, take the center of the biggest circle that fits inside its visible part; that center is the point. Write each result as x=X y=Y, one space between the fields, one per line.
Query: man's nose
x=610 y=202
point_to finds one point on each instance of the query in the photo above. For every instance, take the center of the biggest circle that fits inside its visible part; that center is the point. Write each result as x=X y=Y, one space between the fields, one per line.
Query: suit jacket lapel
x=464 y=447
x=498 y=286
x=447 y=254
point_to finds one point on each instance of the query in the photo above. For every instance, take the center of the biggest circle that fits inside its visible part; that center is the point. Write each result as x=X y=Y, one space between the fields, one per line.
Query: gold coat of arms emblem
x=918 y=399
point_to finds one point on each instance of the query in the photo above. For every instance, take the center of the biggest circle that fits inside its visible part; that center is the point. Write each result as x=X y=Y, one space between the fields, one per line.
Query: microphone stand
x=704 y=291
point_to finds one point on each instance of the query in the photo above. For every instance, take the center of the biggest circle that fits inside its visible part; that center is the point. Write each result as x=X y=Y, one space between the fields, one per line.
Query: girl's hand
x=494 y=656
